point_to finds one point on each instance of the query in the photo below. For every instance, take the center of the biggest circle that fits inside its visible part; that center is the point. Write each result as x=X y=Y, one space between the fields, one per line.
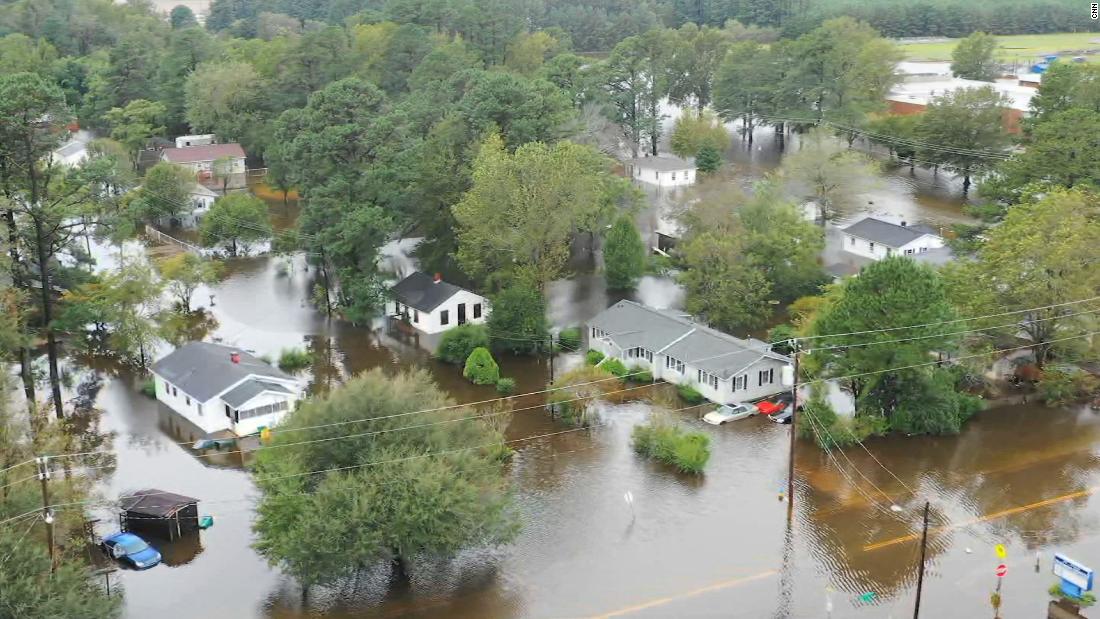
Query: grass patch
x=294 y=360
x=663 y=440
x=1025 y=49
x=689 y=394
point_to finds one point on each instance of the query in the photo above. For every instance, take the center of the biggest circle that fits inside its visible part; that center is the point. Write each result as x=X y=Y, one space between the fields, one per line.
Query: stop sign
x=1002 y=569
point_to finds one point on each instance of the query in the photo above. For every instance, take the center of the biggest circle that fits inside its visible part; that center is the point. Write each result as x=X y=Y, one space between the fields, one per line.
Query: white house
x=432 y=305
x=204 y=139
x=71 y=154
x=676 y=349
x=220 y=388
x=200 y=159
x=877 y=239
x=664 y=171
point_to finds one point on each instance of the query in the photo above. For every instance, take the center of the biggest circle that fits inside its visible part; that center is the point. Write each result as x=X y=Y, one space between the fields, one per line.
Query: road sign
x=1076 y=577
x=1002 y=569
x=1000 y=550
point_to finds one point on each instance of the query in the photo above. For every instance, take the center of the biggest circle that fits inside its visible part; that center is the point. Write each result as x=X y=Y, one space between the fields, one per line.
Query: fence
x=164 y=239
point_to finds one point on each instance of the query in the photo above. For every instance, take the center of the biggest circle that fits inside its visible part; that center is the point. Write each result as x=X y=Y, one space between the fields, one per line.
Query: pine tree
x=624 y=255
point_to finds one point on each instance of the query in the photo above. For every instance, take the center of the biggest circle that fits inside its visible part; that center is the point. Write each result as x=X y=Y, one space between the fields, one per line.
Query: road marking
x=732 y=582
x=995 y=515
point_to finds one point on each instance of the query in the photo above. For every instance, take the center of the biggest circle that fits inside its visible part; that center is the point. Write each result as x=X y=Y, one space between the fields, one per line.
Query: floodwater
x=718 y=545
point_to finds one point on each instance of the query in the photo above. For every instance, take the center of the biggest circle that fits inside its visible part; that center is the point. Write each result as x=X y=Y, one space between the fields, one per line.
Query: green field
x=1023 y=48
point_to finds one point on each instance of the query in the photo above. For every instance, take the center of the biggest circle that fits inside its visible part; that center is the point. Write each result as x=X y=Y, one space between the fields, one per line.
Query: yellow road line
x=993 y=516
x=732 y=582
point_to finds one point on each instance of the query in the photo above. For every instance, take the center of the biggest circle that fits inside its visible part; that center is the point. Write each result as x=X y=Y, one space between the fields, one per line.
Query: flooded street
x=691 y=547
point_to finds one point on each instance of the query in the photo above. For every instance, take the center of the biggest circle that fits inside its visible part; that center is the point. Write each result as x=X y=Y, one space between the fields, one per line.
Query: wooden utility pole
x=794 y=420
x=920 y=569
x=47 y=516
x=551 y=358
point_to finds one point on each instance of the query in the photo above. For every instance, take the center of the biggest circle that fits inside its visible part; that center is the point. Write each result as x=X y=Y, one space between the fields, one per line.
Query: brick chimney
x=235 y=357
x=438 y=277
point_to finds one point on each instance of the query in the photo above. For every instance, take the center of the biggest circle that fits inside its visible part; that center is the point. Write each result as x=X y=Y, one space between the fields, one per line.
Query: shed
x=166 y=515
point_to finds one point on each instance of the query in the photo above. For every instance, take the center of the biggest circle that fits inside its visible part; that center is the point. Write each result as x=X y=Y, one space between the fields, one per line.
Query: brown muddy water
x=715 y=546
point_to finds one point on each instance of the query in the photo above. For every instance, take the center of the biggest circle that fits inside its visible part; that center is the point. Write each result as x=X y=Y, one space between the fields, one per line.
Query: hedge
x=480 y=368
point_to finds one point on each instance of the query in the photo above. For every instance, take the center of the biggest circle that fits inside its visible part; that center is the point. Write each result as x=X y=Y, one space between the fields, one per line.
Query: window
x=673 y=176
x=416 y=315
x=889 y=251
x=198 y=407
x=188 y=399
x=851 y=240
x=445 y=317
x=871 y=245
x=477 y=310
x=174 y=392
x=228 y=411
x=263 y=410
x=656 y=175
x=673 y=363
x=908 y=252
x=923 y=249
x=740 y=382
x=765 y=377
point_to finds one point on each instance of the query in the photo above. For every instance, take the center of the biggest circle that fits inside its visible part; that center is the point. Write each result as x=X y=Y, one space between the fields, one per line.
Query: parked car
x=727 y=413
x=783 y=416
x=774 y=404
x=131 y=550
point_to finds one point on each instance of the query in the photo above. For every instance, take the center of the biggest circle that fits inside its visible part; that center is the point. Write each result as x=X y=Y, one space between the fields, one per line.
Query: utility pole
x=794 y=420
x=551 y=358
x=47 y=515
x=920 y=570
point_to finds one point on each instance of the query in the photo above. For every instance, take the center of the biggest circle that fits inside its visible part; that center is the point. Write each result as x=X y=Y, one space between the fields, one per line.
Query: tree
x=1061 y=151
x=965 y=127
x=1042 y=255
x=529 y=50
x=1066 y=86
x=749 y=83
x=182 y=17
x=184 y=273
x=165 y=192
x=481 y=368
x=633 y=78
x=414 y=506
x=888 y=294
x=972 y=58
x=235 y=221
x=824 y=171
x=521 y=110
x=624 y=254
x=186 y=50
x=518 y=320
x=134 y=125
x=723 y=285
x=708 y=160
x=694 y=131
x=222 y=171
x=226 y=98
x=782 y=243
x=695 y=55
x=518 y=218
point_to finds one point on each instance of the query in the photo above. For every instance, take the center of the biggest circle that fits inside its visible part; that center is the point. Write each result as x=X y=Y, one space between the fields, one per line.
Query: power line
x=19 y=542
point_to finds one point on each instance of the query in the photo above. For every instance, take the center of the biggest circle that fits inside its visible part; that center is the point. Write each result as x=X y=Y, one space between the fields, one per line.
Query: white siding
x=878 y=251
x=210 y=416
x=432 y=322
x=665 y=178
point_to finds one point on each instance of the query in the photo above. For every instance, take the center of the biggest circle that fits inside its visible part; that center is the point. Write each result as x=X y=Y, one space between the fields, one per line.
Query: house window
x=673 y=176
x=445 y=317
x=228 y=411
x=416 y=316
x=174 y=392
x=765 y=377
x=740 y=382
x=198 y=407
x=871 y=245
x=477 y=310
x=923 y=249
x=851 y=240
x=908 y=252
x=889 y=251
x=263 y=410
x=656 y=175
x=188 y=399
x=673 y=363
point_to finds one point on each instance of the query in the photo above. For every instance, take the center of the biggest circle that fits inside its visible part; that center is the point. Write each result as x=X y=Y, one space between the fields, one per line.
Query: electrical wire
x=19 y=542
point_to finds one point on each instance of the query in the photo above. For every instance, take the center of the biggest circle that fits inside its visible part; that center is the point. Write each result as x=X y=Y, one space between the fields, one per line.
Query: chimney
x=438 y=277
x=903 y=224
x=235 y=357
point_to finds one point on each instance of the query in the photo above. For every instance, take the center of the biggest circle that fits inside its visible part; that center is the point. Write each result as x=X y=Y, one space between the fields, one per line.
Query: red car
x=774 y=405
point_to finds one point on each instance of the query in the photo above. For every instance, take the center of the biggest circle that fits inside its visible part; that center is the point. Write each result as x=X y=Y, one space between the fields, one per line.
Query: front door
x=461 y=313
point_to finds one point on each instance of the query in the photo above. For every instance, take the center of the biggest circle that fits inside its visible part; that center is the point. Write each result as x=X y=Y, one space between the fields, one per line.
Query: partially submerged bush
x=616 y=367
x=661 y=439
x=575 y=391
x=689 y=394
x=1062 y=386
x=294 y=360
x=481 y=368
x=639 y=374
x=506 y=386
x=593 y=356
x=570 y=339
x=456 y=344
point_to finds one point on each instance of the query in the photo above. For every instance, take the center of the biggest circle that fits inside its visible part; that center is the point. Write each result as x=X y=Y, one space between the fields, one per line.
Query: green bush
x=1062 y=386
x=1088 y=598
x=616 y=367
x=593 y=356
x=570 y=339
x=662 y=440
x=780 y=338
x=689 y=394
x=480 y=368
x=149 y=388
x=294 y=360
x=506 y=386
x=456 y=345
x=639 y=374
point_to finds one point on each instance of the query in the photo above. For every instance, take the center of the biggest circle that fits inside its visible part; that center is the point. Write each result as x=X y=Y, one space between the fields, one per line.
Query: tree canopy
x=972 y=58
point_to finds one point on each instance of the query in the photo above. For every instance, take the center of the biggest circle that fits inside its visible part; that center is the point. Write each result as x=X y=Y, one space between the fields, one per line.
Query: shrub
x=780 y=338
x=593 y=356
x=456 y=345
x=506 y=386
x=294 y=360
x=615 y=367
x=149 y=388
x=574 y=391
x=624 y=254
x=480 y=368
x=1088 y=598
x=1061 y=386
x=689 y=394
x=662 y=440
x=639 y=374
x=570 y=339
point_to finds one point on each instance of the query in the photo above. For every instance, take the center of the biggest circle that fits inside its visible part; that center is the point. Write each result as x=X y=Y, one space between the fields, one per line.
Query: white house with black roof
x=219 y=388
x=676 y=349
x=432 y=305
x=876 y=239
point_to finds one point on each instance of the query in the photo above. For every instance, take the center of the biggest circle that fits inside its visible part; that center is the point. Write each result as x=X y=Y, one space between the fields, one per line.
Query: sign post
x=1076 y=577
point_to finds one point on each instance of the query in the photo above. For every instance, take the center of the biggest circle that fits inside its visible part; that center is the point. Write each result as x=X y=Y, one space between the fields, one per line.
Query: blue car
x=132 y=550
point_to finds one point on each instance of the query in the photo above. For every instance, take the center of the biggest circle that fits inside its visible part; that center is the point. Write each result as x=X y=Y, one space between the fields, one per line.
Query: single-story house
x=676 y=349
x=664 y=170
x=219 y=387
x=432 y=305
x=200 y=199
x=71 y=154
x=877 y=239
x=200 y=159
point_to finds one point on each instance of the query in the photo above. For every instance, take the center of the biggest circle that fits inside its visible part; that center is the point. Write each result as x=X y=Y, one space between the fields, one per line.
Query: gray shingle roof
x=249 y=389
x=421 y=291
x=631 y=324
x=886 y=233
x=663 y=163
x=202 y=370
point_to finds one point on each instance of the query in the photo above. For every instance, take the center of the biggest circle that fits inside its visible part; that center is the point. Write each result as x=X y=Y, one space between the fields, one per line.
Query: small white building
x=877 y=239
x=71 y=154
x=432 y=305
x=200 y=159
x=205 y=139
x=676 y=349
x=219 y=388
x=663 y=171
